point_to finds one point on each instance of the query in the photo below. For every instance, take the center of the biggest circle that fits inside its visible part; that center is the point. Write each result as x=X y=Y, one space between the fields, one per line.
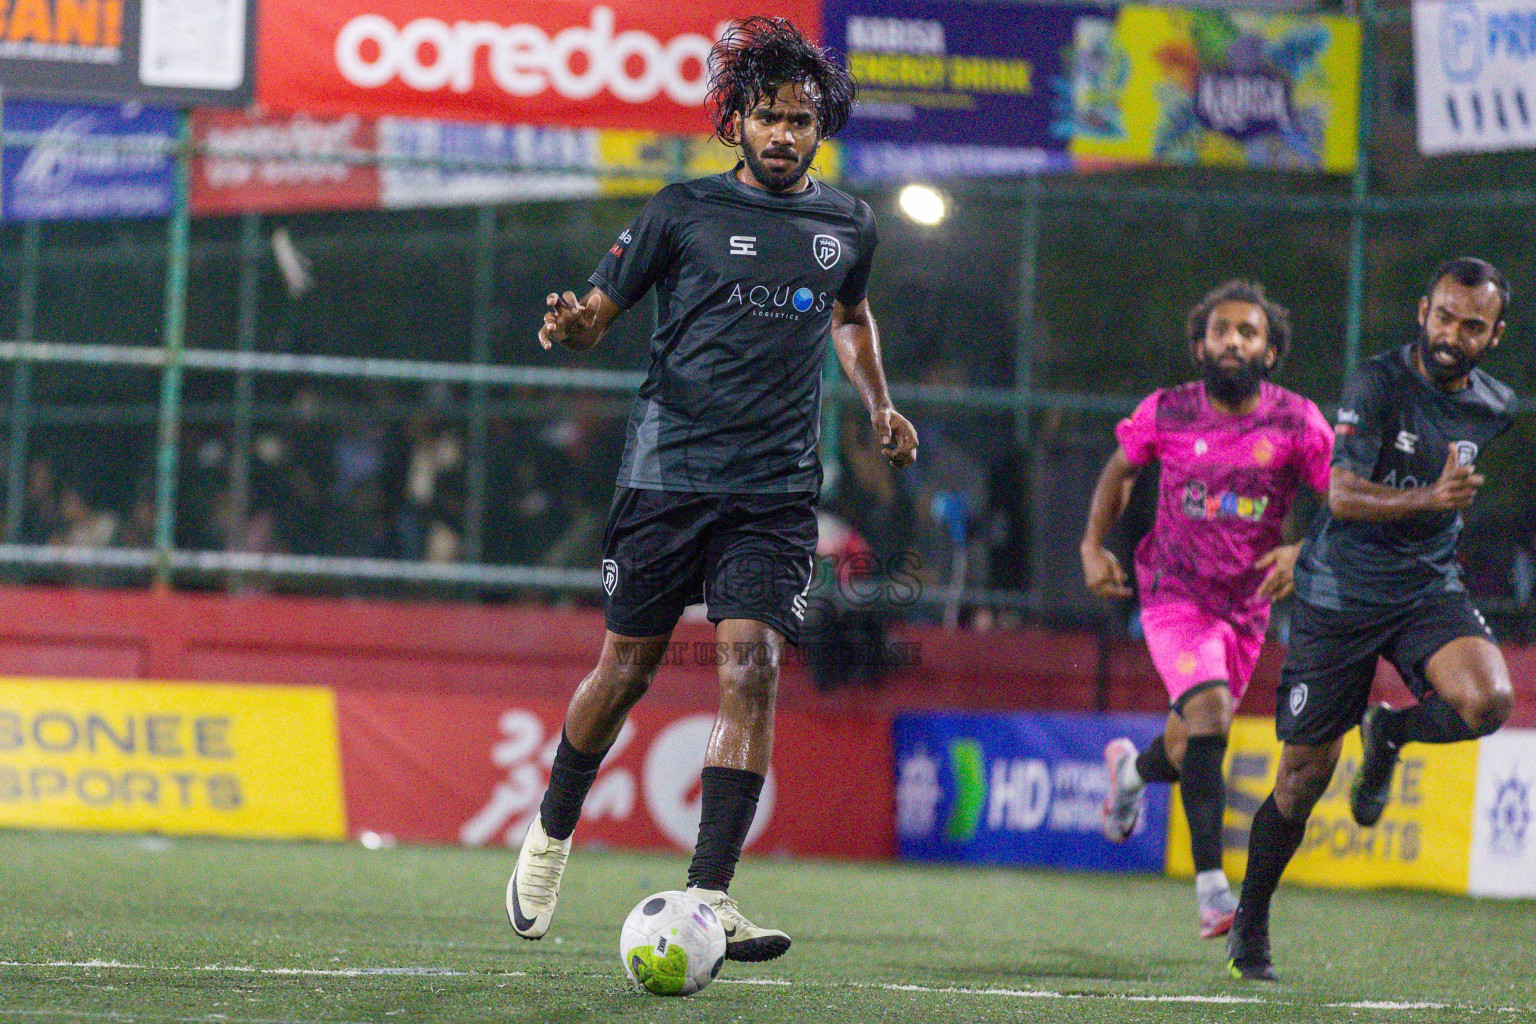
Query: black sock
x=570 y=777
x=1205 y=798
x=730 y=801
x=1153 y=765
x=1431 y=720
x=1271 y=845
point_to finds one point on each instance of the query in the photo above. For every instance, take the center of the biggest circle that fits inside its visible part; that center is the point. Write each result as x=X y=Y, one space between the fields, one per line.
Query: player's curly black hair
x=1238 y=290
x=756 y=57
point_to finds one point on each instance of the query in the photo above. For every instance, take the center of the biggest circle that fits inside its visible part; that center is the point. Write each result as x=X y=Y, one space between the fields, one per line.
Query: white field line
x=1004 y=993
x=315 y=972
x=1039 y=993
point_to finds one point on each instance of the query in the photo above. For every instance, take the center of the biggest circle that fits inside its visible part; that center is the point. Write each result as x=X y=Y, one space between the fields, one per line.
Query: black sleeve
x=1361 y=422
x=642 y=252
x=856 y=284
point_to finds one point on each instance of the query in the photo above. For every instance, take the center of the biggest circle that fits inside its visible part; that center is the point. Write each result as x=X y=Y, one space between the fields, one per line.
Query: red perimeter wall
x=448 y=714
x=540 y=654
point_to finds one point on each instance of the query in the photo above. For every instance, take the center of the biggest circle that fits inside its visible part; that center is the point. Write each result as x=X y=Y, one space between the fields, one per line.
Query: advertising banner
x=57 y=179
x=178 y=758
x=277 y=163
x=623 y=64
x=692 y=156
x=1021 y=789
x=949 y=87
x=173 y=52
x=540 y=150
x=1475 y=69
x=1422 y=841
x=1504 y=816
x=472 y=770
x=1214 y=87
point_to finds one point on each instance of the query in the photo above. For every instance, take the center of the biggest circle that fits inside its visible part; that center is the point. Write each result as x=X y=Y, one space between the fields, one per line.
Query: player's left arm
x=856 y=338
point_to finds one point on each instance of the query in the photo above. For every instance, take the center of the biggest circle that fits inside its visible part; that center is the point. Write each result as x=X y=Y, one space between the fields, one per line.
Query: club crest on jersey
x=827 y=250
x=610 y=575
x=1298 y=698
x=1466 y=453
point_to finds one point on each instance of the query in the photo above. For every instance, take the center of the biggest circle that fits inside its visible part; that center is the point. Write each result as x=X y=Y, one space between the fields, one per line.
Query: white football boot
x=1123 y=800
x=743 y=939
x=535 y=882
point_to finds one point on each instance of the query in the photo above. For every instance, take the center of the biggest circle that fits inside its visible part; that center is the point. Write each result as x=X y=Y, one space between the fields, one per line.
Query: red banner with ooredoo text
x=623 y=64
x=472 y=770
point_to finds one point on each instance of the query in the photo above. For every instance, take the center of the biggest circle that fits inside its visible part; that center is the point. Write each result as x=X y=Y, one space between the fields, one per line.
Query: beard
x=1233 y=385
x=1444 y=373
x=778 y=181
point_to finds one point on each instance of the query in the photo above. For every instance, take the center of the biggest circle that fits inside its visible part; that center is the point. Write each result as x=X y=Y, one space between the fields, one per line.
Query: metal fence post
x=245 y=341
x=178 y=244
x=21 y=384
x=1360 y=195
x=480 y=354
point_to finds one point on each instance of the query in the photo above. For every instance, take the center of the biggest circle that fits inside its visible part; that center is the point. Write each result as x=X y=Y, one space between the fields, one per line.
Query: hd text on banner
x=1021 y=789
x=1459 y=817
x=1475 y=69
x=178 y=758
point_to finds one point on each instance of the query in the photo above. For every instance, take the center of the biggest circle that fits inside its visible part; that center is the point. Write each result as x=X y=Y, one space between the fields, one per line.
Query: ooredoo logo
x=579 y=62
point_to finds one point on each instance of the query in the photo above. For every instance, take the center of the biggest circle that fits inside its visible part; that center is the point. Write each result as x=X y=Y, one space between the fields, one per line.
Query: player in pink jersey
x=1233 y=450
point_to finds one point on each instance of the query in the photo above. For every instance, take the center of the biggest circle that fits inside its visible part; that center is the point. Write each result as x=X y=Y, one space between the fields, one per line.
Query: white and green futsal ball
x=672 y=944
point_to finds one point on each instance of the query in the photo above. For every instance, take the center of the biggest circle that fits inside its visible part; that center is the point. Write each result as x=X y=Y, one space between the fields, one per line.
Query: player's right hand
x=1458 y=484
x=1102 y=572
x=565 y=317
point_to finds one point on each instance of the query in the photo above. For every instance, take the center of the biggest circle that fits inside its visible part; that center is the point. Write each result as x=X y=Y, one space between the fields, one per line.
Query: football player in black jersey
x=1378 y=577
x=754 y=270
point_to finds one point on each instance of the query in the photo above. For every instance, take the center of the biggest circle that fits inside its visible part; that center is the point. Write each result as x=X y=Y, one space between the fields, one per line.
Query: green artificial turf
x=118 y=928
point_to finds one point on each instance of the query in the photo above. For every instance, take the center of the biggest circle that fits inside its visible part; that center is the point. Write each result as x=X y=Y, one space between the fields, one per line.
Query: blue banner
x=1019 y=789
x=947 y=87
x=58 y=179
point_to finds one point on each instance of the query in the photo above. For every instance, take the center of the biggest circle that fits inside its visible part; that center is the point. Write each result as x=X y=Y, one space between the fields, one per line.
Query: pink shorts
x=1191 y=646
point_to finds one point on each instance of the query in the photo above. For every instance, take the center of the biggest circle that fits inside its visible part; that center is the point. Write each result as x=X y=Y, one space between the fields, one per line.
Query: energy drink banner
x=60 y=179
x=1021 y=789
x=1214 y=87
x=953 y=88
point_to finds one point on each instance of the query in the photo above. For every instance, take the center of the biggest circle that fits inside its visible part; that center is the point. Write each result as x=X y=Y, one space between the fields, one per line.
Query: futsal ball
x=672 y=944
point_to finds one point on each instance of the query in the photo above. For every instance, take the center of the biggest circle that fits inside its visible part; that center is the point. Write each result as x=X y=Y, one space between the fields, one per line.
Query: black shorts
x=1325 y=683
x=747 y=556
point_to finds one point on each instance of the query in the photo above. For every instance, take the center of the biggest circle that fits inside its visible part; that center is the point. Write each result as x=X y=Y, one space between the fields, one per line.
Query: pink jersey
x=1227 y=483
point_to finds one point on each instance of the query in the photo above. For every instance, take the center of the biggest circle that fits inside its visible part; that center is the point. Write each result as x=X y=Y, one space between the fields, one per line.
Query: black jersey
x=1394 y=428
x=745 y=280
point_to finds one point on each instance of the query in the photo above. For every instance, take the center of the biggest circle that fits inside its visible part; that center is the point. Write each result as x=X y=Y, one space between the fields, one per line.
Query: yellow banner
x=694 y=156
x=1216 y=87
x=1423 y=841
x=177 y=758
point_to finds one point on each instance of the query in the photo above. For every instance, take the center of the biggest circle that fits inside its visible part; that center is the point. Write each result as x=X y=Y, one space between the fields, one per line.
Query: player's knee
x=1487 y=711
x=750 y=680
x=1300 y=786
x=628 y=683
